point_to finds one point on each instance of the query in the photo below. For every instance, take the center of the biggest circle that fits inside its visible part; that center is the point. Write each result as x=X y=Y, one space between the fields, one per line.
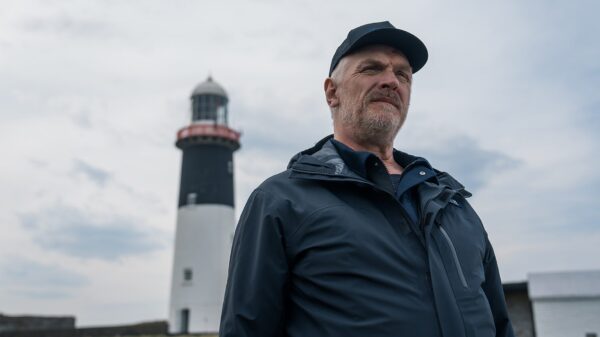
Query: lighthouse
x=205 y=215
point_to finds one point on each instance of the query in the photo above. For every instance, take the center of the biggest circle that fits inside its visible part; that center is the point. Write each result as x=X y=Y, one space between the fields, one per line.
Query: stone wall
x=519 y=309
x=158 y=328
x=20 y=323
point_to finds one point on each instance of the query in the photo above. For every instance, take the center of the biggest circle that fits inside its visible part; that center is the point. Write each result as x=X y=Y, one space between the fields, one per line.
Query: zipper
x=461 y=275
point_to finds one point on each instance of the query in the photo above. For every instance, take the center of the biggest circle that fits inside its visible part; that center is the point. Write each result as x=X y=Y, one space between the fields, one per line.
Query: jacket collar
x=322 y=159
x=323 y=162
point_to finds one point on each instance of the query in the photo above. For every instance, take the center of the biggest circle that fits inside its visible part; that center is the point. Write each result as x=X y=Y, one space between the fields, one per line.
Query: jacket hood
x=323 y=158
x=310 y=151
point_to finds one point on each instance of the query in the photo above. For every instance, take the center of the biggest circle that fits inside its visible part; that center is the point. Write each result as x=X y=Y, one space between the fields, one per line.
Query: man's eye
x=403 y=76
x=370 y=69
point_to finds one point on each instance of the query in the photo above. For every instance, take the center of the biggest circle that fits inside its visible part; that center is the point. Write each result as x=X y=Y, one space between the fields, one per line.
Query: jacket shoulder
x=275 y=181
x=446 y=179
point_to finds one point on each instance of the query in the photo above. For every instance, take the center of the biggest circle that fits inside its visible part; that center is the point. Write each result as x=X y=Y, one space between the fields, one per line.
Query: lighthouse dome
x=209 y=87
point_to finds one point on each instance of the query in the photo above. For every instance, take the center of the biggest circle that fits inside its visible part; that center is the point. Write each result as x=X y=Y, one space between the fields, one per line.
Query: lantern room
x=209 y=103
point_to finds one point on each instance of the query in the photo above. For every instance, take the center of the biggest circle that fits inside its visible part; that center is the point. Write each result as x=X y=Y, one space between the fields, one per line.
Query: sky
x=92 y=94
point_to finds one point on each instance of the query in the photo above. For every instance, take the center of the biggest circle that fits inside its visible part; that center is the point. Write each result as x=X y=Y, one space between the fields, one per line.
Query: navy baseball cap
x=382 y=33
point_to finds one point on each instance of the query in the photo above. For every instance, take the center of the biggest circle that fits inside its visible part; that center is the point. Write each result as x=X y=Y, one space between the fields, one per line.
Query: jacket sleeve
x=258 y=272
x=495 y=293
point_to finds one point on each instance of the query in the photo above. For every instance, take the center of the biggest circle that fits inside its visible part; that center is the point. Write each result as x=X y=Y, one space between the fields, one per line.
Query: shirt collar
x=360 y=161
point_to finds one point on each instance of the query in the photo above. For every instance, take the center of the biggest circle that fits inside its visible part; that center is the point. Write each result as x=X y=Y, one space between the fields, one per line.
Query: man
x=356 y=238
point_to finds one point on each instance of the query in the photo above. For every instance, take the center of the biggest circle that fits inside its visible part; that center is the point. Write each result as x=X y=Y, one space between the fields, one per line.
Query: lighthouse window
x=203 y=107
x=191 y=198
x=187 y=274
x=221 y=117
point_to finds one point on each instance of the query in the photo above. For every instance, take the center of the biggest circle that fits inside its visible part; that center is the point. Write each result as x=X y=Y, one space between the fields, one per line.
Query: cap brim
x=410 y=45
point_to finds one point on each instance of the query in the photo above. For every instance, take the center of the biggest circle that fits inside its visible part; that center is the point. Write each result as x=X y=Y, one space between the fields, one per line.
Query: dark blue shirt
x=370 y=167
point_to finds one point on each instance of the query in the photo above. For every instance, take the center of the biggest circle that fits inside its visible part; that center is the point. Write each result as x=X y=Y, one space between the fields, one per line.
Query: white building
x=566 y=304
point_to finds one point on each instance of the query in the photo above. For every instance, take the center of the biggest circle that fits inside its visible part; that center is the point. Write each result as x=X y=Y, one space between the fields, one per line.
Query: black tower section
x=208 y=145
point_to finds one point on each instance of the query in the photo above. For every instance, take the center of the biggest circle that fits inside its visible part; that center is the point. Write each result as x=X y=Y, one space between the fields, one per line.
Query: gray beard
x=372 y=127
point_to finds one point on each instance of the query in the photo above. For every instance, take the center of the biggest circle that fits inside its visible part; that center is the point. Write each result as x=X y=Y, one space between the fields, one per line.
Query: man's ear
x=331 y=93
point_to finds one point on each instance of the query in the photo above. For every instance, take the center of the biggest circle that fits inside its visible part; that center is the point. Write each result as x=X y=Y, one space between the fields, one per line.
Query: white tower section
x=205 y=217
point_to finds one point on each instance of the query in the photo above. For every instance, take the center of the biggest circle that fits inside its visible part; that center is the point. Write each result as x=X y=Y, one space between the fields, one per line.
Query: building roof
x=209 y=87
x=514 y=287
x=570 y=284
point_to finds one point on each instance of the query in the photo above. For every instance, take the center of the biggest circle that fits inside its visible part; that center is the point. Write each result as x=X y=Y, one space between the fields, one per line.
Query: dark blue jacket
x=320 y=251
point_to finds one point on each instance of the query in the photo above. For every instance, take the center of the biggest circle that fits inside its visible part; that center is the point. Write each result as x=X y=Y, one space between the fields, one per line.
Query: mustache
x=386 y=96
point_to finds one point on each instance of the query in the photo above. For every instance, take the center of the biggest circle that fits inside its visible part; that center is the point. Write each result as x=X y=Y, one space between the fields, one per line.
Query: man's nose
x=389 y=80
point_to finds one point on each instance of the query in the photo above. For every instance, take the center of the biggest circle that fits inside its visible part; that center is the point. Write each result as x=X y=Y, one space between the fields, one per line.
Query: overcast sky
x=93 y=92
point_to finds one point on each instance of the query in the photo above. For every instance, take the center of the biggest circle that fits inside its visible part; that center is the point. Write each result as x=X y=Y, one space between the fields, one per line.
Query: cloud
x=509 y=110
x=84 y=235
x=65 y=24
x=37 y=163
x=463 y=158
x=97 y=175
x=26 y=272
x=82 y=119
x=33 y=279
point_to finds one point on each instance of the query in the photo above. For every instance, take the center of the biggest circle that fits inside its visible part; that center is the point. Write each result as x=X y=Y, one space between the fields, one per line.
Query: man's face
x=369 y=94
